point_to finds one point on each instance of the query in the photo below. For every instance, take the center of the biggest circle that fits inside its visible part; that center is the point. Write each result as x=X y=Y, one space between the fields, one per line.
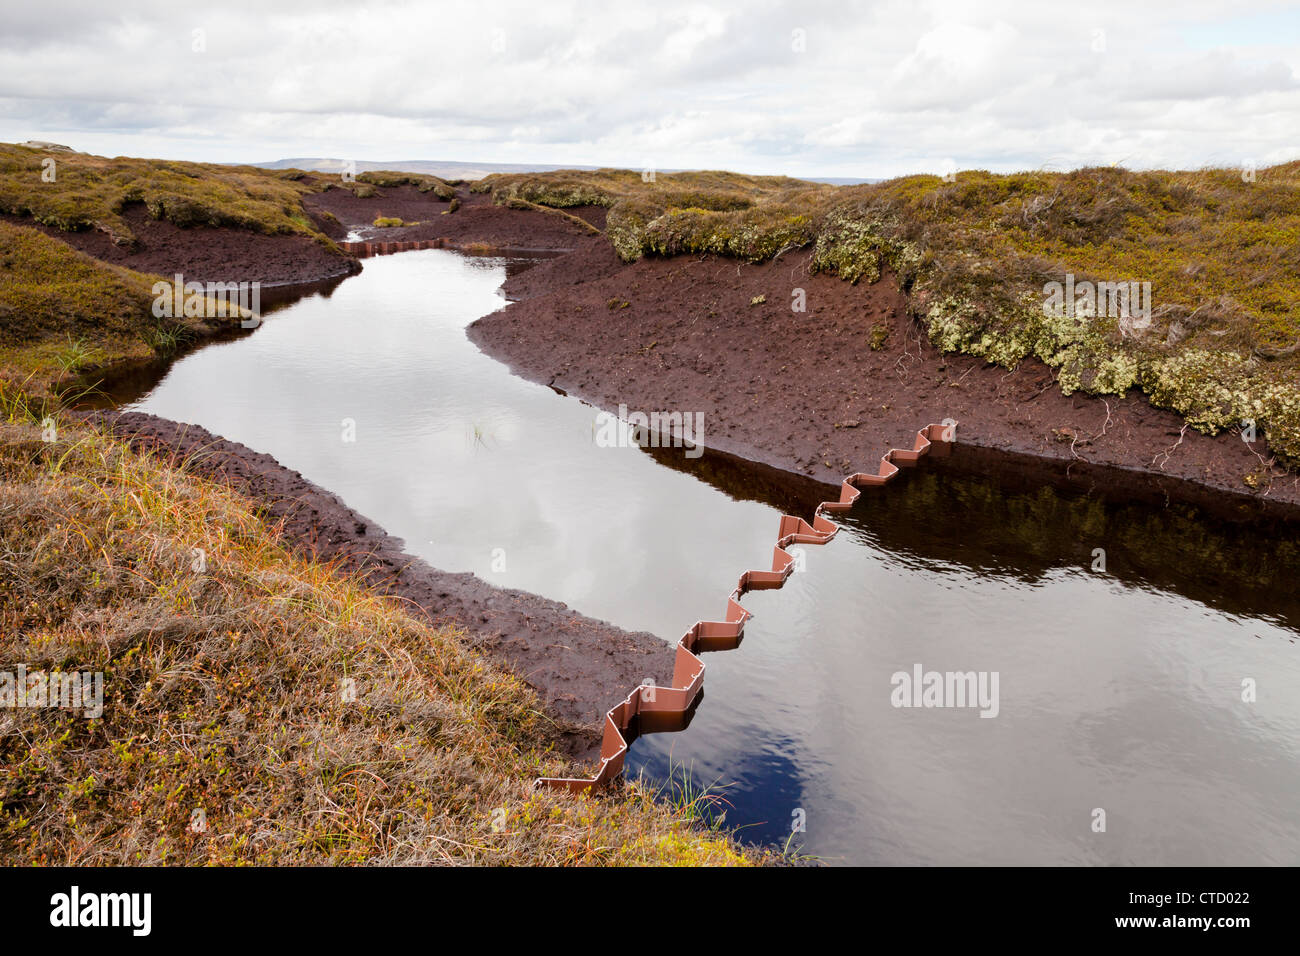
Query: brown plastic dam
x=363 y=250
x=659 y=709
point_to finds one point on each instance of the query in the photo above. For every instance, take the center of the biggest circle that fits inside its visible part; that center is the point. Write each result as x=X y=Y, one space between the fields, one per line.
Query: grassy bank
x=257 y=708
x=79 y=191
x=73 y=192
x=1221 y=251
x=63 y=313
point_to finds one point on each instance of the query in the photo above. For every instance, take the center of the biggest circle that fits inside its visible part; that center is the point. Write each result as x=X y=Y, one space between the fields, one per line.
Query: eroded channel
x=1126 y=690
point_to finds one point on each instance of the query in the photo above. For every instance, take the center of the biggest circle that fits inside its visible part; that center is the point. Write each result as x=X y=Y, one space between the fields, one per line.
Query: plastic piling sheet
x=363 y=250
x=660 y=709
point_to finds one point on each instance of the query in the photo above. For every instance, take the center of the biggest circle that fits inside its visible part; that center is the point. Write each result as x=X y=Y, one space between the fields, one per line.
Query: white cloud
x=878 y=88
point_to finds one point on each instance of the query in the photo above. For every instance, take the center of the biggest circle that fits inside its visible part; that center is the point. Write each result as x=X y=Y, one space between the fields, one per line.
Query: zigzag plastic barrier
x=363 y=250
x=659 y=709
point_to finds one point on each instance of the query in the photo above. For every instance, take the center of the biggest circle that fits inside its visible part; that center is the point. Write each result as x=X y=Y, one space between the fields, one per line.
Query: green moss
x=856 y=244
x=754 y=234
x=626 y=226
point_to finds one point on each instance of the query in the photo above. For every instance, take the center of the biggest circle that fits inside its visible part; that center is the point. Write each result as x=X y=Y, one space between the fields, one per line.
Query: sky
x=839 y=89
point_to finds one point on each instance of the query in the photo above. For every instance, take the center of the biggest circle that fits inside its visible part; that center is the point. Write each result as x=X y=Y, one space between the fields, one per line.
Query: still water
x=1121 y=734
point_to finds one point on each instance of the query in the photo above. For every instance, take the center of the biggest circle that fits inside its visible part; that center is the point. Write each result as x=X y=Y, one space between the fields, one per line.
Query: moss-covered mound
x=425 y=184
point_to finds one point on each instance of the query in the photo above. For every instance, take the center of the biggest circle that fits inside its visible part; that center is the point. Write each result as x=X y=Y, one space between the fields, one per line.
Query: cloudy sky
x=860 y=89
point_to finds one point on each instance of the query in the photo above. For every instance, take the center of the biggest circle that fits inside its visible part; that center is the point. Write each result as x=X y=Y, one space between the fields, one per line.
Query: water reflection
x=1119 y=690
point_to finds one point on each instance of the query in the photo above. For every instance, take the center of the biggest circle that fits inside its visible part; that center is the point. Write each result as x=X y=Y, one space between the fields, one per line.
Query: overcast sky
x=832 y=89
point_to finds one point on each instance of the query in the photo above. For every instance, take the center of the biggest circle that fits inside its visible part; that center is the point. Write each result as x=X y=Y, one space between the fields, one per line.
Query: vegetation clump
x=423 y=183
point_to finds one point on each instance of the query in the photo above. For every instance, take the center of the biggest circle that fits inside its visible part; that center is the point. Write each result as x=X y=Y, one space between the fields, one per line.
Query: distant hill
x=840 y=180
x=445 y=169
x=440 y=168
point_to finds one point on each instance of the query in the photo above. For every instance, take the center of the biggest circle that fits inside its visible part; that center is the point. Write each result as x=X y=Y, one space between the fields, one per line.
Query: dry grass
x=227 y=734
x=974 y=252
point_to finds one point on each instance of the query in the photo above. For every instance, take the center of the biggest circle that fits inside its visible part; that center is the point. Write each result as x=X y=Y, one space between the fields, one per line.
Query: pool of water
x=1119 y=692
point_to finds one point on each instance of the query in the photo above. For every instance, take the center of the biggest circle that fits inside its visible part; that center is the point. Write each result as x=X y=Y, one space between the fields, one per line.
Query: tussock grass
x=228 y=734
x=973 y=254
x=91 y=192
